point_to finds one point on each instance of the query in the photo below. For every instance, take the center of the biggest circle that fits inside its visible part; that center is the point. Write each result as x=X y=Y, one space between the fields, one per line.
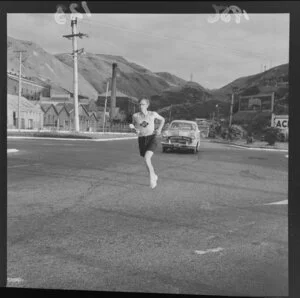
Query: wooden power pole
x=75 y=53
x=20 y=85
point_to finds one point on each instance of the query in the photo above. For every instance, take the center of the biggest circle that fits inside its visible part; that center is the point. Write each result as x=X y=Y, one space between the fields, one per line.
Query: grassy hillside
x=267 y=81
x=132 y=78
x=38 y=63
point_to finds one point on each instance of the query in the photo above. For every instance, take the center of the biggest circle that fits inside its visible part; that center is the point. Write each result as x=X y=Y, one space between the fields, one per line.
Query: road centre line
x=202 y=252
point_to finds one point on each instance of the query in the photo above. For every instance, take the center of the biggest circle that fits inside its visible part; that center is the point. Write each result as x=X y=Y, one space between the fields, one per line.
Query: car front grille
x=180 y=140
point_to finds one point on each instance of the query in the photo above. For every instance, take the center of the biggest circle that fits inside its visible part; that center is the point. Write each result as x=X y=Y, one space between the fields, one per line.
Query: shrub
x=272 y=135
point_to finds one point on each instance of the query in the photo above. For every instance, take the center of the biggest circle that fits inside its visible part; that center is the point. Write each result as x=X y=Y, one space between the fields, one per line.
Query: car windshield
x=182 y=126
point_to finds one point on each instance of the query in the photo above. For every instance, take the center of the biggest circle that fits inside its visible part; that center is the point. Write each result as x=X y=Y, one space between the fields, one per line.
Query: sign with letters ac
x=281 y=122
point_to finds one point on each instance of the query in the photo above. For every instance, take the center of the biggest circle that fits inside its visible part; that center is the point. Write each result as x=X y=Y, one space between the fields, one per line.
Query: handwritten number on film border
x=60 y=16
x=225 y=16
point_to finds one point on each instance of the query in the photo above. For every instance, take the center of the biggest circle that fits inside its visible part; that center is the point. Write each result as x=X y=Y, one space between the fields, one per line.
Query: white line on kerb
x=15 y=280
x=284 y=202
x=257 y=148
x=202 y=252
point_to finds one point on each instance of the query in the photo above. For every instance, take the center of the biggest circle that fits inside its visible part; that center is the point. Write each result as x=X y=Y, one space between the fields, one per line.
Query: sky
x=186 y=45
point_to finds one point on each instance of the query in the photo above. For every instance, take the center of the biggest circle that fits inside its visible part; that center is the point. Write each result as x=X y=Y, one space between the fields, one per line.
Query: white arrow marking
x=12 y=150
x=284 y=202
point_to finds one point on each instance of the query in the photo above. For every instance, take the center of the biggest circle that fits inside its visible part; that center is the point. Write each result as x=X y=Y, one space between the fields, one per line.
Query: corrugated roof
x=69 y=106
x=45 y=106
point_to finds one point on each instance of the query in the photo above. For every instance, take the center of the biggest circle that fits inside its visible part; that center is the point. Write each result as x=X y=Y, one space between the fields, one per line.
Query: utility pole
x=234 y=89
x=20 y=84
x=74 y=36
x=107 y=86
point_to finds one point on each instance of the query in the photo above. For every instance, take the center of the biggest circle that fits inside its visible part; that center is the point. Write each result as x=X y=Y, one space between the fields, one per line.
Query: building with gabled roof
x=66 y=115
x=50 y=115
x=31 y=114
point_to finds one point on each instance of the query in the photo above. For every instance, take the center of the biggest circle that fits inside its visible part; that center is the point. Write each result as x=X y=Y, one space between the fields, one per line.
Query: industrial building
x=31 y=114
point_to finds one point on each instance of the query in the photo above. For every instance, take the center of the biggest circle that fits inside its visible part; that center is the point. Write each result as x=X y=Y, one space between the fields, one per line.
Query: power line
x=238 y=52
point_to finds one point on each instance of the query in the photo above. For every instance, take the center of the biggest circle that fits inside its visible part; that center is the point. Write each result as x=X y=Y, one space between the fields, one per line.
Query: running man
x=143 y=122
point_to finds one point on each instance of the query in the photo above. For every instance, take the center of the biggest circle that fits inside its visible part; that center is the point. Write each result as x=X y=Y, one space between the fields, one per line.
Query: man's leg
x=147 y=158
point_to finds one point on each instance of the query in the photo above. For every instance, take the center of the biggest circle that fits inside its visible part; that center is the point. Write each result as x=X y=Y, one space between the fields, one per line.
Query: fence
x=116 y=127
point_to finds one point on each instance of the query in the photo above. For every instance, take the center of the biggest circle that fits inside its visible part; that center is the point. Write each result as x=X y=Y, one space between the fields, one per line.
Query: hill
x=94 y=71
x=40 y=64
x=274 y=79
x=191 y=100
x=171 y=79
x=167 y=92
x=133 y=79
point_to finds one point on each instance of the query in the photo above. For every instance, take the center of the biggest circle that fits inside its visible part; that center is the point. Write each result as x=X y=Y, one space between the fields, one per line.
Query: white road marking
x=15 y=280
x=12 y=150
x=24 y=165
x=202 y=252
x=50 y=144
x=261 y=149
x=69 y=139
x=284 y=202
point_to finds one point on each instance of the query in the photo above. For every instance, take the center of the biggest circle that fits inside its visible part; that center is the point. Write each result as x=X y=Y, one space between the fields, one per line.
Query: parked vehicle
x=181 y=135
x=203 y=125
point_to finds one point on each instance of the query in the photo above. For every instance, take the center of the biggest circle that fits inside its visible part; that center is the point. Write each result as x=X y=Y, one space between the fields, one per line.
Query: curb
x=259 y=148
x=12 y=150
x=67 y=132
x=251 y=148
x=70 y=139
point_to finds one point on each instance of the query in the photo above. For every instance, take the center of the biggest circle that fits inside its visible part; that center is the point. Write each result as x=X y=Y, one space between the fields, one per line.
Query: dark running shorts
x=147 y=143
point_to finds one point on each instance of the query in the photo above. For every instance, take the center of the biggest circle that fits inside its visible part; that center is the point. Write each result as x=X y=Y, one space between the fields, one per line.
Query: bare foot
x=153 y=182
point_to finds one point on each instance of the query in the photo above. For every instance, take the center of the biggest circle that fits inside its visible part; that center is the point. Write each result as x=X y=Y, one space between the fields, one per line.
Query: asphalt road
x=81 y=215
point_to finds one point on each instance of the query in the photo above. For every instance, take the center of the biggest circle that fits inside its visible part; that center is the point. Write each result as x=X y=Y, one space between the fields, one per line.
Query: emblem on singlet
x=144 y=124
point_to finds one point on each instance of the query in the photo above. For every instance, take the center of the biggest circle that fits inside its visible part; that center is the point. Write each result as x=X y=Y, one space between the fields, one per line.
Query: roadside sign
x=280 y=121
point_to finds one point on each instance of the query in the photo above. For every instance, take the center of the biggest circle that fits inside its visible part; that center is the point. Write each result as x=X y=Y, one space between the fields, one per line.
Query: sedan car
x=181 y=135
